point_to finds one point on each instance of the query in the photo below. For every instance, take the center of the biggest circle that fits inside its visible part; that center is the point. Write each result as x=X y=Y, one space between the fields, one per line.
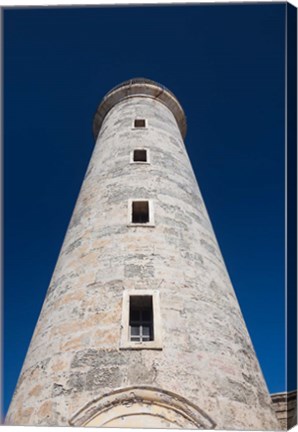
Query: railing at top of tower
x=139 y=87
x=141 y=81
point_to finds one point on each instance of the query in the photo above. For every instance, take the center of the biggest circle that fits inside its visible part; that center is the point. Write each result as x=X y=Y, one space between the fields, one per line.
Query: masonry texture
x=285 y=405
x=206 y=374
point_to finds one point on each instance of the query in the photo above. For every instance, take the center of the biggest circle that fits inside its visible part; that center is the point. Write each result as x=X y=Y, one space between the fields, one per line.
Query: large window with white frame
x=141 y=322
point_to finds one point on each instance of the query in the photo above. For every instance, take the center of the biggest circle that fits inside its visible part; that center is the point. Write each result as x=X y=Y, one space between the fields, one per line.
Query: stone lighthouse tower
x=140 y=326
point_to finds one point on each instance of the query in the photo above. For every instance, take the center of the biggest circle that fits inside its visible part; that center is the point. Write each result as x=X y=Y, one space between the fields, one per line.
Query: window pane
x=134 y=331
x=141 y=318
x=140 y=123
x=140 y=155
x=134 y=315
x=146 y=315
x=146 y=330
x=140 y=212
x=135 y=338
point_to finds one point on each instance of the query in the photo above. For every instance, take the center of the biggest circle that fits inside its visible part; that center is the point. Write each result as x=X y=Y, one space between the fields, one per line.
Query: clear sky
x=225 y=64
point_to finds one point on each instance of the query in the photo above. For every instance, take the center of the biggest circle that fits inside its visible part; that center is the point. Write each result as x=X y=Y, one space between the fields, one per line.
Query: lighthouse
x=140 y=326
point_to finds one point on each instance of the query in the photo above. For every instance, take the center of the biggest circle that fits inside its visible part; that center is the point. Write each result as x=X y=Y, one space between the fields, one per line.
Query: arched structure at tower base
x=143 y=407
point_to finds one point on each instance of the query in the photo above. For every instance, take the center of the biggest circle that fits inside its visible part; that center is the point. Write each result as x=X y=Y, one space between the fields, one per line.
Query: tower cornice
x=141 y=87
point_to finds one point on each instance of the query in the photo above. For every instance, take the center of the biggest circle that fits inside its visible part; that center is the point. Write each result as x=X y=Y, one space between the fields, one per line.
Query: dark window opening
x=140 y=123
x=140 y=155
x=141 y=318
x=140 y=211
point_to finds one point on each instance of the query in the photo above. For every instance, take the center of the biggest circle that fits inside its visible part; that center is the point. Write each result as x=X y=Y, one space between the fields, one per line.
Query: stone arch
x=142 y=407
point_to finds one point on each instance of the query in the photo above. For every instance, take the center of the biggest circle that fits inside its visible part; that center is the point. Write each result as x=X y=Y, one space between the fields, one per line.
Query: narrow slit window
x=141 y=319
x=140 y=155
x=140 y=211
x=140 y=123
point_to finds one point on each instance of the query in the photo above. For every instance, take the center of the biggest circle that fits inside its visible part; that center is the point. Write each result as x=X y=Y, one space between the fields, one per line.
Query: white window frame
x=132 y=161
x=125 y=342
x=139 y=128
x=151 y=222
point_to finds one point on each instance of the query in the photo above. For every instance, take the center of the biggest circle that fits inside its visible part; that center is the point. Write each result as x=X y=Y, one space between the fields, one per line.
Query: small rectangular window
x=140 y=155
x=139 y=123
x=141 y=319
x=140 y=211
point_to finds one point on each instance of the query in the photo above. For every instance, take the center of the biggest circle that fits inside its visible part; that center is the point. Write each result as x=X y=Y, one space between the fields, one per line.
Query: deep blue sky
x=225 y=63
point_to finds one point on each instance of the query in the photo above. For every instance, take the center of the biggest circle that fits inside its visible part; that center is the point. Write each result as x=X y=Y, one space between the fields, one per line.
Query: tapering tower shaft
x=140 y=325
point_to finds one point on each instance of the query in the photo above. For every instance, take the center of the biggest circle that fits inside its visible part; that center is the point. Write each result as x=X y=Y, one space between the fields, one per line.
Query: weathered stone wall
x=207 y=355
x=285 y=406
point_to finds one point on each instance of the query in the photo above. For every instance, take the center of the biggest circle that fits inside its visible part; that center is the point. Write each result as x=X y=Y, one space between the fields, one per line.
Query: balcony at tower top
x=142 y=87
